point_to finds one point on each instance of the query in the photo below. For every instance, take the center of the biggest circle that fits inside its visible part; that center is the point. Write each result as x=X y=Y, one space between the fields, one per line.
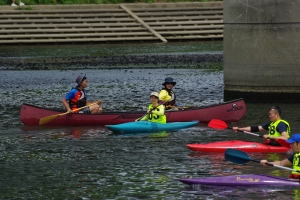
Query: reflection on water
x=212 y=192
x=93 y=162
x=160 y=134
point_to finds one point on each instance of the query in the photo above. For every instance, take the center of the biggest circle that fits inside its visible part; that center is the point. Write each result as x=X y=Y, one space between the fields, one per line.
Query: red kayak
x=249 y=147
x=230 y=111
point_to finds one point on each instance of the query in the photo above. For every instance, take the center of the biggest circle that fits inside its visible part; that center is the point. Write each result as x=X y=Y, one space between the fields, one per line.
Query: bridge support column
x=262 y=50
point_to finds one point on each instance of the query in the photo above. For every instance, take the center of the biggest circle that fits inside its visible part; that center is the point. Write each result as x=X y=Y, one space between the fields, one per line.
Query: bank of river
x=64 y=57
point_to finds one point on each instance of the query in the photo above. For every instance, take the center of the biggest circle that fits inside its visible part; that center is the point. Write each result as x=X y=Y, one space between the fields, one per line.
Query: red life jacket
x=79 y=100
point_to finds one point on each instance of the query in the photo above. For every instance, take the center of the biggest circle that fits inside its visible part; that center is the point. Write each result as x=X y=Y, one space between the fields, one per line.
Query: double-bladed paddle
x=47 y=119
x=241 y=157
x=219 y=124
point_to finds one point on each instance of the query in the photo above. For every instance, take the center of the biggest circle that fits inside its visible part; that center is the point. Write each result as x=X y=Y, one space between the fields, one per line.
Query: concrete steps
x=109 y=23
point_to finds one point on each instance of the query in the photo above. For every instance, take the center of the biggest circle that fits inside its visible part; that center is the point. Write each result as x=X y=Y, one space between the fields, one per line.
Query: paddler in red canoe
x=167 y=94
x=77 y=98
x=293 y=160
x=277 y=128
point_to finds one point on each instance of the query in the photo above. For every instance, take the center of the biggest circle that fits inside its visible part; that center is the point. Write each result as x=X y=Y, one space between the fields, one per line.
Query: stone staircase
x=159 y=22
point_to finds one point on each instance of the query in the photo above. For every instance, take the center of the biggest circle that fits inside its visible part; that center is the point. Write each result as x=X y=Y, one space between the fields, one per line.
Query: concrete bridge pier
x=262 y=50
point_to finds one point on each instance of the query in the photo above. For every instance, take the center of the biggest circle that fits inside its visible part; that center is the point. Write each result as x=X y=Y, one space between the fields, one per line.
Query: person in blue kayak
x=156 y=111
x=277 y=128
x=77 y=98
x=293 y=160
x=168 y=95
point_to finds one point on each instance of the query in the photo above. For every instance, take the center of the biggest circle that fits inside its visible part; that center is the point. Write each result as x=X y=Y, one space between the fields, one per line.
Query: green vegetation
x=54 y=2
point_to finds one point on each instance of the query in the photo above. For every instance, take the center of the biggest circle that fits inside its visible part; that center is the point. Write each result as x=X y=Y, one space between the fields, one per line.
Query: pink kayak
x=249 y=147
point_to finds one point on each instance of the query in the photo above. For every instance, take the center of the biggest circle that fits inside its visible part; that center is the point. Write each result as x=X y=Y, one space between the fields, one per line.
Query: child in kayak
x=77 y=98
x=156 y=111
x=293 y=160
x=277 y=128
x=167 y=94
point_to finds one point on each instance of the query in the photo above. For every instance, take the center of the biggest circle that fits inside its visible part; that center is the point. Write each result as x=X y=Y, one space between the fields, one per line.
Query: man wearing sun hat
x=77 y=98
x=167 y=94
x=293 y=160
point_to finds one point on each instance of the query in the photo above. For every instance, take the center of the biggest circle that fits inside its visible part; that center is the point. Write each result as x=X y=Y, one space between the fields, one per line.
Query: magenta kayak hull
x=248 y=180
x=248 y=147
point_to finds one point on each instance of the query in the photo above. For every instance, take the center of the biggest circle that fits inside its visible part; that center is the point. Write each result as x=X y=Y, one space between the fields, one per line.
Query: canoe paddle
x=219 y=124
x=47 y=119
x=161 y=103
x=241 y=157
x=183 y=107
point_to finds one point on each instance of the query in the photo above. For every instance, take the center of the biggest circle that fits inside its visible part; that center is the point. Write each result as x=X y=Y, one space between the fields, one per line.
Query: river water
x=93 y=163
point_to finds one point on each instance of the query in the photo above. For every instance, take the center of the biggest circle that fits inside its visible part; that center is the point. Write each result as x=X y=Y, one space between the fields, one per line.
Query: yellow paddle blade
x=47 y=119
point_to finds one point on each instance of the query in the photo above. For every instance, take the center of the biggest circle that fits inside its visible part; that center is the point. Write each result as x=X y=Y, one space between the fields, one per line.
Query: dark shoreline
x=195 y=61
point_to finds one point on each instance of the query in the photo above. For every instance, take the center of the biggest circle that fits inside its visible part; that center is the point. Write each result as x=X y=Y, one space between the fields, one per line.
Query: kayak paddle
x=219 y=124
x=241 y=157
x=47 y=119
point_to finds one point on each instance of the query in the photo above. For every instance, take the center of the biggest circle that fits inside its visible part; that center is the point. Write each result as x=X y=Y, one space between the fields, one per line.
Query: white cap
x=154 y=94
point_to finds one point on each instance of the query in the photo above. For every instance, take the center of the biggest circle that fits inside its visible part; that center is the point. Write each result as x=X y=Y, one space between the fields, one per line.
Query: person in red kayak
x=156 y=111
x=277 y=128
x=293 y=160
x=77 y=98
x=168 y=95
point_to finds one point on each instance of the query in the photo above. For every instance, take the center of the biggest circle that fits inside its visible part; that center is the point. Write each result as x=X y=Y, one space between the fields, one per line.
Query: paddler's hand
x=266 y=136
x=70 y=111
x=99 y=102
x=149 y=111
x=263 y=162
x=235 y=129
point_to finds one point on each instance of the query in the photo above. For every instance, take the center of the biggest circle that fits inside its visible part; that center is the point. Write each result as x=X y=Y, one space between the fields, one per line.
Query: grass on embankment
x=54 y=2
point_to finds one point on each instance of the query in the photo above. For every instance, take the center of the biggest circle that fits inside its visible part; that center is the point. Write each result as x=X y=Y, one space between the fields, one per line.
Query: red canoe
x=230 y=111
x=249 y=147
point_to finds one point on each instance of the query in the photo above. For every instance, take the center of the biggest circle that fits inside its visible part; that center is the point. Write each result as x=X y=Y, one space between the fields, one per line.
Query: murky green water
x=93 y=163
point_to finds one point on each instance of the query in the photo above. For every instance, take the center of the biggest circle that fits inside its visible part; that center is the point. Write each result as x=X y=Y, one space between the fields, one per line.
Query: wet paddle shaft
x=241 y=157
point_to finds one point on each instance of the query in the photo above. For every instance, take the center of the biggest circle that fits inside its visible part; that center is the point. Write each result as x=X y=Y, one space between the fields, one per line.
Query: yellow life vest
x=296 y=163
x=272 y=128
x=171 y=97
x=154 y=117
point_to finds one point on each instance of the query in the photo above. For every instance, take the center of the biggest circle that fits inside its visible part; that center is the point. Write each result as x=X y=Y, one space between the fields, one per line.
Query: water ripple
x=93 y=163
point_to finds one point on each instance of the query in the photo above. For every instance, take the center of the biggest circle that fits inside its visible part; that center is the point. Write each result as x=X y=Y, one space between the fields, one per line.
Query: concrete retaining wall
x=159 y=22
x=261 y=56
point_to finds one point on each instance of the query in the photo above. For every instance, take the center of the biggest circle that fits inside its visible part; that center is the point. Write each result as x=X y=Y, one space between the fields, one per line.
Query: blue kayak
x=149 y=127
